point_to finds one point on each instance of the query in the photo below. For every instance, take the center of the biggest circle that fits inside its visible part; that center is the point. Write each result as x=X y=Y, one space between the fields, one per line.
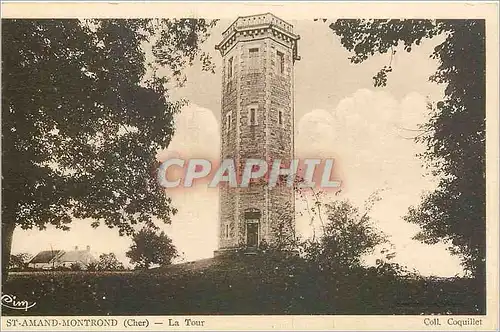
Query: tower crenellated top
x=259 y=26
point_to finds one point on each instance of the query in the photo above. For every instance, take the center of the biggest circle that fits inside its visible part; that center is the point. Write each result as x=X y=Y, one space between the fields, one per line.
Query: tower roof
x=254 y=25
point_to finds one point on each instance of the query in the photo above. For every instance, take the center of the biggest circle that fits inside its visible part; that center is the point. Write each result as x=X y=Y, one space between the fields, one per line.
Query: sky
x=338 y=113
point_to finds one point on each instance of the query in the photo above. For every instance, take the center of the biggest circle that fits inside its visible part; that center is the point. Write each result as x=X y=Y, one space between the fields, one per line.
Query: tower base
x=235 y=251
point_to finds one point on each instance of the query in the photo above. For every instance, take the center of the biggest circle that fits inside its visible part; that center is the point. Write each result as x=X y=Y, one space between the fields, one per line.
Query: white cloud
x=315 y=134
x=196 y=134
x=194 y=227
x=365 y=135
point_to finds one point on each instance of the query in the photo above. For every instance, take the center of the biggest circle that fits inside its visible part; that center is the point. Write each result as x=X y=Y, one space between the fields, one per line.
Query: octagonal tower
x=257 y=117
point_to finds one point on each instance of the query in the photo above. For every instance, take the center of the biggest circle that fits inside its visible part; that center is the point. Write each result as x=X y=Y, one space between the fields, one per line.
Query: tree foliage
x=19 y=261
x=109 y=262
x=82 y=122
x=150 y=247
x=347 y=236
x=455 y=134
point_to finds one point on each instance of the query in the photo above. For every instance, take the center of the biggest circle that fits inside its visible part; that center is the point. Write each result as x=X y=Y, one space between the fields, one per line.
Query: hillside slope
x=258 y=284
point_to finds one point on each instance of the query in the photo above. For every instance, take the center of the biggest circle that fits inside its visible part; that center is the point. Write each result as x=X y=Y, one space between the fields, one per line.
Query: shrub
x=75 y=267
x=92 y=267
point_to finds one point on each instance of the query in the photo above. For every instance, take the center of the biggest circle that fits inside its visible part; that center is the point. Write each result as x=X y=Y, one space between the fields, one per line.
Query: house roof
x=83 y=256
x=46 y=256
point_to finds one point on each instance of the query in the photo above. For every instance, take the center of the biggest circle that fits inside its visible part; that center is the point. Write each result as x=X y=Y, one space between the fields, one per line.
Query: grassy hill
x=254 y=284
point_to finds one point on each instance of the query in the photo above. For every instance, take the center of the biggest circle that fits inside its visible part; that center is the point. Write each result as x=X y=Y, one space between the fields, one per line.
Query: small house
x=46 y=259
x=50 y=259
x=78 y=257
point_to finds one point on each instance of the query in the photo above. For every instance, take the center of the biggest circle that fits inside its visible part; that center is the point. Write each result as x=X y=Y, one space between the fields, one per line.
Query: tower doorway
x=252 y=233
x=252 y=221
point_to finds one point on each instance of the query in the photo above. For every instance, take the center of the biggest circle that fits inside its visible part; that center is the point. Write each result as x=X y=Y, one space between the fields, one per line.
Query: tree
x=149 y=248
x=455 y=134
x=109 y=262
x=19 y=261
x=82 y=122
x=346 y=235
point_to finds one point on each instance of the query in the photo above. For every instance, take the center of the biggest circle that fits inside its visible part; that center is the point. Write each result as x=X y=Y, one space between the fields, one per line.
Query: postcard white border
x=302 y=10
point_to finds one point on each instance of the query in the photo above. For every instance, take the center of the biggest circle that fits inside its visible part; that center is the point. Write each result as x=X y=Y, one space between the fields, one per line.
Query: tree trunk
x=7 y=234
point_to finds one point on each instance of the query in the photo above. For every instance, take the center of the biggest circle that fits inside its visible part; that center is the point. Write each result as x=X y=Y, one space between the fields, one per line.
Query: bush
x=60 y=268
x=92 y=267
x=75 y=267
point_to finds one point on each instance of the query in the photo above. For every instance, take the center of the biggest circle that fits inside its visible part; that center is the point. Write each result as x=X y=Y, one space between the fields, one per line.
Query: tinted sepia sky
x=338 y=113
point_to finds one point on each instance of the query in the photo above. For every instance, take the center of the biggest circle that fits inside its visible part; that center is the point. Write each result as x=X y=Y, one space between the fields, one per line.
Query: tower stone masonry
x=257 y=117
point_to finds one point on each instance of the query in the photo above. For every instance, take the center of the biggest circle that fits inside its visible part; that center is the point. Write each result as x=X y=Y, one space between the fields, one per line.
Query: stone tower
x=257 y=119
